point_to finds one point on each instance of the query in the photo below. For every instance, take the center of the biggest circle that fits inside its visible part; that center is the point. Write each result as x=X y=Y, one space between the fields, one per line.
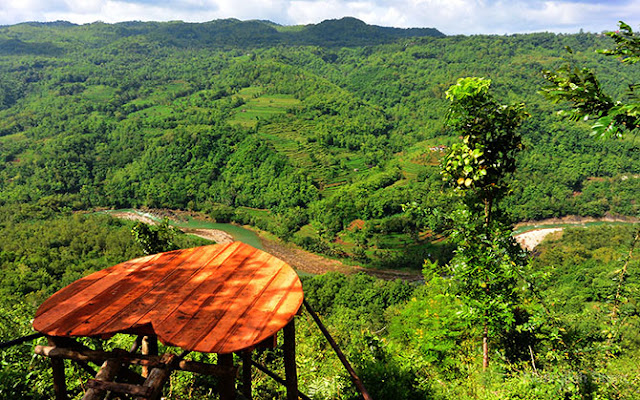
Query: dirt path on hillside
x=303 y=260
x=311 y=263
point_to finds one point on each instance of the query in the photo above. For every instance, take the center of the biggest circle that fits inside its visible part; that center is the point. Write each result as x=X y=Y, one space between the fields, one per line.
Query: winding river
x=237 y=232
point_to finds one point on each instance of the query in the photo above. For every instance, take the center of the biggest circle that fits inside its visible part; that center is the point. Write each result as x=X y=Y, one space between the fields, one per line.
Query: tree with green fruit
x=488 y=265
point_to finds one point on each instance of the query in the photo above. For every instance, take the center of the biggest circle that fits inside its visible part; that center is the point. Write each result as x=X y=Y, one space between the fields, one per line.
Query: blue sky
x=449 y=16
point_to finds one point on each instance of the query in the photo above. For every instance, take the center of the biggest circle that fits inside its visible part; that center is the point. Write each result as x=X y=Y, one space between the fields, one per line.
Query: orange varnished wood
x=216 y=299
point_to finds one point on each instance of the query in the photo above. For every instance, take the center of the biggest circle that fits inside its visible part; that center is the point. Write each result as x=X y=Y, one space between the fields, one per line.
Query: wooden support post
x=226 y=387
x=160 y=375
x=276 y=378
x=246 y=374
x=356 y=380
x=149 y=348
x=291 y=375
x=59 y=380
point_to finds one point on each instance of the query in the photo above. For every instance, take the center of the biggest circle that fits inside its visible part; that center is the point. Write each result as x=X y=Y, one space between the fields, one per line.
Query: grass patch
x=250 y=92
x=256 y=212
x=257 y=108
x=14 y=137
x=99 y=93
x=289 y=28
x=155 y=111
x=308 y=231
x=420 y=156
x=256 y=217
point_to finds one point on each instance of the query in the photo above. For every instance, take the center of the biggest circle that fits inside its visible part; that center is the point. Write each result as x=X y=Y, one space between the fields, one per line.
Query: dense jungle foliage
x=313 y=136
x=320 y=134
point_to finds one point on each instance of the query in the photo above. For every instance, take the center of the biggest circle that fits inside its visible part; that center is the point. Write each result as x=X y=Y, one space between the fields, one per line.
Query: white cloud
x=449 y=16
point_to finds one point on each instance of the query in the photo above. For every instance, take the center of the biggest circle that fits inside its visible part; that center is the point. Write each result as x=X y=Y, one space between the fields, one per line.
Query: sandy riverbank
x=529 y=240
x=532 y=238
x=214 y=235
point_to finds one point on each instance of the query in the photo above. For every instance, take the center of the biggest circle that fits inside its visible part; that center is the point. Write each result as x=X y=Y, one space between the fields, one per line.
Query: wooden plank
x=82 y=284
x=83 y=304
x=107 y=304
x=273 y=310
x=205 y=306
x=211 y=276
x=166 y=288
x=242 y=294
x=82 y=291
x=256 y=324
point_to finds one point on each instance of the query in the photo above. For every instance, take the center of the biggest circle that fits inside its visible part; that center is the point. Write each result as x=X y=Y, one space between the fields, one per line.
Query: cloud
x=449 y=16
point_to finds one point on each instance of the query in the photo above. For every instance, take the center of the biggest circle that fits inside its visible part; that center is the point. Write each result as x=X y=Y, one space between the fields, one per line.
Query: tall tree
x=487 y=262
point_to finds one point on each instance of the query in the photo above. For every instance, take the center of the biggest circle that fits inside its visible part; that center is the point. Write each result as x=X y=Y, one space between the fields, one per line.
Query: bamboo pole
x=20 y=340
x=356 y=380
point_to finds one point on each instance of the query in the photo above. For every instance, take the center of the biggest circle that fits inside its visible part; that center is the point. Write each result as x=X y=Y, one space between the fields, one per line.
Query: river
x=187 y=222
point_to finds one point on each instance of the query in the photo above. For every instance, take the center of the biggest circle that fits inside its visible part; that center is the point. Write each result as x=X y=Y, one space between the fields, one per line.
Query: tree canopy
x=581 y=87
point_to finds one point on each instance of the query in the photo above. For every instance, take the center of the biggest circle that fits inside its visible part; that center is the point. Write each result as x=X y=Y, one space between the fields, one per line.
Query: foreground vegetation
x=406 y=341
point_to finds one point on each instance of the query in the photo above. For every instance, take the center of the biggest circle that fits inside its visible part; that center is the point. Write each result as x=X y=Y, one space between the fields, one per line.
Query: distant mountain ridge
x=344 y=32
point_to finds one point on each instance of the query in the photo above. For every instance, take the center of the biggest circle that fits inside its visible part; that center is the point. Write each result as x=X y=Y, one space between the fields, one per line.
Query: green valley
x=331 y=138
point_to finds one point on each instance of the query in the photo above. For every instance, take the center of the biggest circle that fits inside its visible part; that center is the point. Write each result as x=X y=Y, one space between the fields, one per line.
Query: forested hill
x=319 y=134
x=303 y=140
x=54 y=37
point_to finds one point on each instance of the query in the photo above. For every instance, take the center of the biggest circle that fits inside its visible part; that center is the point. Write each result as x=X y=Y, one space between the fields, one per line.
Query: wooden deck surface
x=214 y=299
